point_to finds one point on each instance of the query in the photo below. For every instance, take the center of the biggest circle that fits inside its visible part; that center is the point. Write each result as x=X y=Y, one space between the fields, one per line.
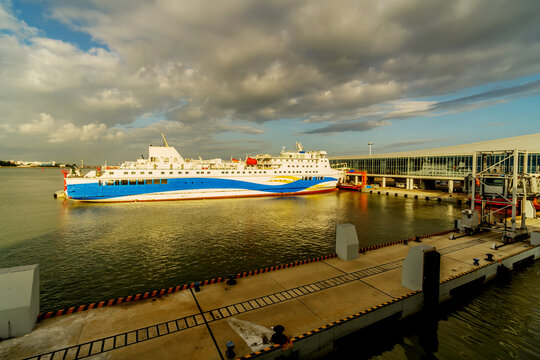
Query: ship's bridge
x=164 y=154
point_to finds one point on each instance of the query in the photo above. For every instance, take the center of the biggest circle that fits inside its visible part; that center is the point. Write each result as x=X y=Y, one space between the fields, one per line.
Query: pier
x=317 y=302
x=432 y=195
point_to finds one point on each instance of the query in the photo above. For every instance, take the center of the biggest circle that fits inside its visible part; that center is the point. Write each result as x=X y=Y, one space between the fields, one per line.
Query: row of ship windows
x=261 y=172
x=166 y=159
x=132 y=182
x=208 y=172
x=164 y=181
x=299 y=160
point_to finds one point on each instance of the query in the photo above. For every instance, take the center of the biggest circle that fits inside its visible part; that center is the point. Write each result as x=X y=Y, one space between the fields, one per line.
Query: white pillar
x=412 y=271
x=19 y=300
x=346 y=242
x=355 y=179
x=450 y=186
x=383 y=182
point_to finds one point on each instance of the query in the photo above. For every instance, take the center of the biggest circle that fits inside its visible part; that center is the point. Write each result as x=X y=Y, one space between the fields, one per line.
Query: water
x=498 y=321
x=93 y=252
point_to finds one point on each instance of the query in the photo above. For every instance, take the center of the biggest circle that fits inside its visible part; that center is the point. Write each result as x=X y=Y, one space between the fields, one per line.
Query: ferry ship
x=166 y=175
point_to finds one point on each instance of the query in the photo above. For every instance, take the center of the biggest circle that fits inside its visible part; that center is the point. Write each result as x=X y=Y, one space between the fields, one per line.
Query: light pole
x=370 y=145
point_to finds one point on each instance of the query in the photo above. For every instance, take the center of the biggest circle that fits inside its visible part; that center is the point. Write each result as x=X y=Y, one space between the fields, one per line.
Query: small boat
x=345 y=186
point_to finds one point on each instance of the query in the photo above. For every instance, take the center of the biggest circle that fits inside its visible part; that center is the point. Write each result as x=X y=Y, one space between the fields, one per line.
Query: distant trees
x=7 y=163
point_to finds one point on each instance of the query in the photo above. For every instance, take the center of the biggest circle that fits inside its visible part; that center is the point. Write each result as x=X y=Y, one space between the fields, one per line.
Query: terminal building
x=439 y=168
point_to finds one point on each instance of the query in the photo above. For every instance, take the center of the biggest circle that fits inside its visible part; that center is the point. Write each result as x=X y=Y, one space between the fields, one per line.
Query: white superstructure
x=166 y=175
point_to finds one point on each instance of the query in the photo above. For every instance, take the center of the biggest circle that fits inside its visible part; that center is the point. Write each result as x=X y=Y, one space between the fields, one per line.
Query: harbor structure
x=448 y=166
x=317 y=301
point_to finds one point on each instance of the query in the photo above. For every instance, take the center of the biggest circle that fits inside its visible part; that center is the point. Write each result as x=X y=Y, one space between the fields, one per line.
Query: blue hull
x=95 y=192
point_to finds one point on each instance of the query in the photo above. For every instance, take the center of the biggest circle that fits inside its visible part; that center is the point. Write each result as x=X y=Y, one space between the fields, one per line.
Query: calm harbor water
x=94 y=252
x=498 y=321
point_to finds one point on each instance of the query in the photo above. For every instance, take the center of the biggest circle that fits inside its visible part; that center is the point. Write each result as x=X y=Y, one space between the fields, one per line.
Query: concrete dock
x=432 y=195
x=317 y=303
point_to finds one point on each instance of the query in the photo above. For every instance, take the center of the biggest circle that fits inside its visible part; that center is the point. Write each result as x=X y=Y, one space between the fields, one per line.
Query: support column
x=450 y=186
x=355 y=179
x=515 y=167
x=383 y=182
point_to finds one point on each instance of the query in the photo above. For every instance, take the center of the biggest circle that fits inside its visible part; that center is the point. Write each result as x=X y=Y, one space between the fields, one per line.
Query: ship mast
x=164 y=140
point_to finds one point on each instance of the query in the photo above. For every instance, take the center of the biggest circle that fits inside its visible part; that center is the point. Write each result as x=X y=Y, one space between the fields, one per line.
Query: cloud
x=261 y=62
x=358 y=126
x=407 y=143
x=405 y=109
x=529 y=88
x=9 y=24
x=43 y=125
x=111 y=99
x=56 y=131
x=211 y=67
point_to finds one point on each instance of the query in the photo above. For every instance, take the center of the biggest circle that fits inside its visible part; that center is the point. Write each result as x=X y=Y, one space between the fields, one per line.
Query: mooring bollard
x=230 y=350
x=489 y=257
x=197 y=286
x=231 y=280
x=476 y=262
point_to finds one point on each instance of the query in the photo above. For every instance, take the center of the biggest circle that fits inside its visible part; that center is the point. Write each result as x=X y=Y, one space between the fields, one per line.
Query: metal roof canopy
x=529 y=143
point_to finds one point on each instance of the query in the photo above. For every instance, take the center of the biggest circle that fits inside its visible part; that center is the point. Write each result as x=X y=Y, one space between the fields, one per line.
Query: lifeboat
x=251 y=161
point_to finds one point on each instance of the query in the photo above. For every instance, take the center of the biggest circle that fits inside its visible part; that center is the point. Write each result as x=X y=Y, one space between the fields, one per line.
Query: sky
x=98 y=80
